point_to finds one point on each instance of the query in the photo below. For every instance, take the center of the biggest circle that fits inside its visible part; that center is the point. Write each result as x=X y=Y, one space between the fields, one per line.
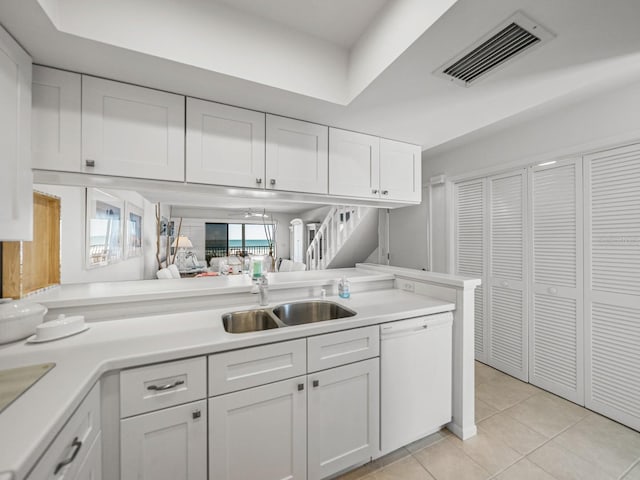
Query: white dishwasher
x=415 y=379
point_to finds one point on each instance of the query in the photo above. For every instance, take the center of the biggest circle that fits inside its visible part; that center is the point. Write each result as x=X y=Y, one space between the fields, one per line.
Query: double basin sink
x=285 y=315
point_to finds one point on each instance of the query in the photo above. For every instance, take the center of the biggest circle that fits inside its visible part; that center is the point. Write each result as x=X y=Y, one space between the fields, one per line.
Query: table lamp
x=181 y=244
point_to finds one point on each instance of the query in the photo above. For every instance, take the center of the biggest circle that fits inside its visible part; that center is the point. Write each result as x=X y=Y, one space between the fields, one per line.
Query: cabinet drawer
x=240 y=369
x=70 y=448
x=340 y=348
x=163 y=385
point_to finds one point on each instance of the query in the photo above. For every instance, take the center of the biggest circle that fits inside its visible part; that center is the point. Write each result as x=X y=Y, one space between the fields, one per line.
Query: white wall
x=589 y=124
x=72 y=239
x=408 y=235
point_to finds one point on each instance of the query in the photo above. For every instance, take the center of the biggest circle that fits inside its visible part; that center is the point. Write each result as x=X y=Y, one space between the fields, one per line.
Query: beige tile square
x=426 y=441
x=504 y=392
x=485 y=373
x=610 y=445
x=515 y=434
x=406 y=469
x=634 y=474
x=489 y=452
x=484 y=410
x=524 y=470
x=445 y=461
x=565 y=465
x=546 y=414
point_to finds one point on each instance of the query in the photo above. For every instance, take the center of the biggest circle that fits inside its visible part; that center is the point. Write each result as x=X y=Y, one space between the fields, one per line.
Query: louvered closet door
x=612 y=283
x=507 y=312
x=470 y=254
x=556 y=313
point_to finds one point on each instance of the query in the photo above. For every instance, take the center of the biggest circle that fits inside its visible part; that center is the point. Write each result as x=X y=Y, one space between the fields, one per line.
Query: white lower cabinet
x=91 y=468
x=169 y=444
x=343 y=417
x=259 y=433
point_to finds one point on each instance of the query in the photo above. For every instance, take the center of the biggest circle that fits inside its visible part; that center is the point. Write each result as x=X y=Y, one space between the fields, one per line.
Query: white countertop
x=82 y=294
x=30 y=424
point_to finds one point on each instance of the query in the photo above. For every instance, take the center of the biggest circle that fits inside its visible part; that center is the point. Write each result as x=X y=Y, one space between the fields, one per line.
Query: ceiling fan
x=249 y=213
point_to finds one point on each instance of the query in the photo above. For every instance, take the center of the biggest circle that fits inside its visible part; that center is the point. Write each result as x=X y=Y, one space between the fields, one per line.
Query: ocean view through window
x=224 y=239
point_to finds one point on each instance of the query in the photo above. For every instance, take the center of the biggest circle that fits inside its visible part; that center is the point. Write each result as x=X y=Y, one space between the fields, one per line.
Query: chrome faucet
x=263 y=289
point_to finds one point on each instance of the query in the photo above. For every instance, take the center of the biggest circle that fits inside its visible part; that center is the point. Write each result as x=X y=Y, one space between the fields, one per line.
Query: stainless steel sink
x=300 y=313
x=249 y=321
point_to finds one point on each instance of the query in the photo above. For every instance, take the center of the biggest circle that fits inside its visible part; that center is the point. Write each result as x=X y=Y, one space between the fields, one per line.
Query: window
x=224 y=239
x=104 y=228
x=134 y=230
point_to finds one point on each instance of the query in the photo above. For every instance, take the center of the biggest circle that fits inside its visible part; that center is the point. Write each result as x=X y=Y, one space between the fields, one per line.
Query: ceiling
x=336 y=21
x=364 y=65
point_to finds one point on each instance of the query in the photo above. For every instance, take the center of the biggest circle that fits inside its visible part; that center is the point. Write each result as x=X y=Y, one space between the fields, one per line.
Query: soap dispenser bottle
x=344 y=289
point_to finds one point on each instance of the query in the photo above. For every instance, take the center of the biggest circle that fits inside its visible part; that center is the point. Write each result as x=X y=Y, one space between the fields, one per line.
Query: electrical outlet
x=407 y=286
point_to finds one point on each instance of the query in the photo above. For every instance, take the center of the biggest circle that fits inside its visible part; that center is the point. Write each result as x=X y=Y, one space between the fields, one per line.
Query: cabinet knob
x=316 y=383
x=90 y=163
x=553 y=291
x=504 y=284
x=300 y=387
x=196 y=414
x=374 y=191
x=272 y=181
x=385 y=192
x=258 y=181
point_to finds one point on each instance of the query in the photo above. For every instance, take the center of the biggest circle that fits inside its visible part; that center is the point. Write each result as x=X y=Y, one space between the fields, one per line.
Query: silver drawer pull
x=76 y=445
x=168 y=386
x=90 y=163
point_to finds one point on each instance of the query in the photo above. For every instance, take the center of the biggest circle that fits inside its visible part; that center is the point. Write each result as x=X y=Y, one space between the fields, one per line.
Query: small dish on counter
x=61 y=327
x=19 y=319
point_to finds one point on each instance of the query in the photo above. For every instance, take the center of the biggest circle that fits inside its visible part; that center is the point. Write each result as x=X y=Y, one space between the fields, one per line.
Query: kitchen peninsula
x=192 y=329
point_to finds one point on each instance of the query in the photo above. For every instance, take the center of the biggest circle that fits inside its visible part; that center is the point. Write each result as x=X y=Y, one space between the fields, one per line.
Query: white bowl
x=19 y=319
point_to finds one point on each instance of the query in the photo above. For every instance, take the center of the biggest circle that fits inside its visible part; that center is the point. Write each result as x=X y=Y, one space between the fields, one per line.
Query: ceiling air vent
x=512 y=38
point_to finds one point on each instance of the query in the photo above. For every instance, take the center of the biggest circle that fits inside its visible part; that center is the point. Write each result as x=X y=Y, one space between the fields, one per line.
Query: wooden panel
x=31 y=266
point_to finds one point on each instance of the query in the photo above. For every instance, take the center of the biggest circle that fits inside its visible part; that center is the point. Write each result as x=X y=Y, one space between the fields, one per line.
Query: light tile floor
x=524 y=433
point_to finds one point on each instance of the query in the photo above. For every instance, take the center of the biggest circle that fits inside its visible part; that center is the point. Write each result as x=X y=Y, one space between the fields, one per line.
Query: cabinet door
x=507 y=311
x=343 y=417
x=555 y=325
x=612 y=283
x=131 y=131
x=471 y=252
x=16 y=181
x=297 y=155
x=168 y=444
x=91 y=468
x=55 y=134
x=225 y=145
x=259 y=433
x=400 y=171
x=354 y=164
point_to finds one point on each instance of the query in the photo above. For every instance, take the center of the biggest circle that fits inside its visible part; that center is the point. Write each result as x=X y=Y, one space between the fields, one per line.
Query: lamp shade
x=182 y=242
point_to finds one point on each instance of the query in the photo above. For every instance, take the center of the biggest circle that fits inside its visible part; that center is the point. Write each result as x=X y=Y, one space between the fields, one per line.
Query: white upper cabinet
x=297 y=155
x=225 y=145
x=131 y=131
x=16 y=181
x=354 y=164
x=55 y=121
x=400 y=171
